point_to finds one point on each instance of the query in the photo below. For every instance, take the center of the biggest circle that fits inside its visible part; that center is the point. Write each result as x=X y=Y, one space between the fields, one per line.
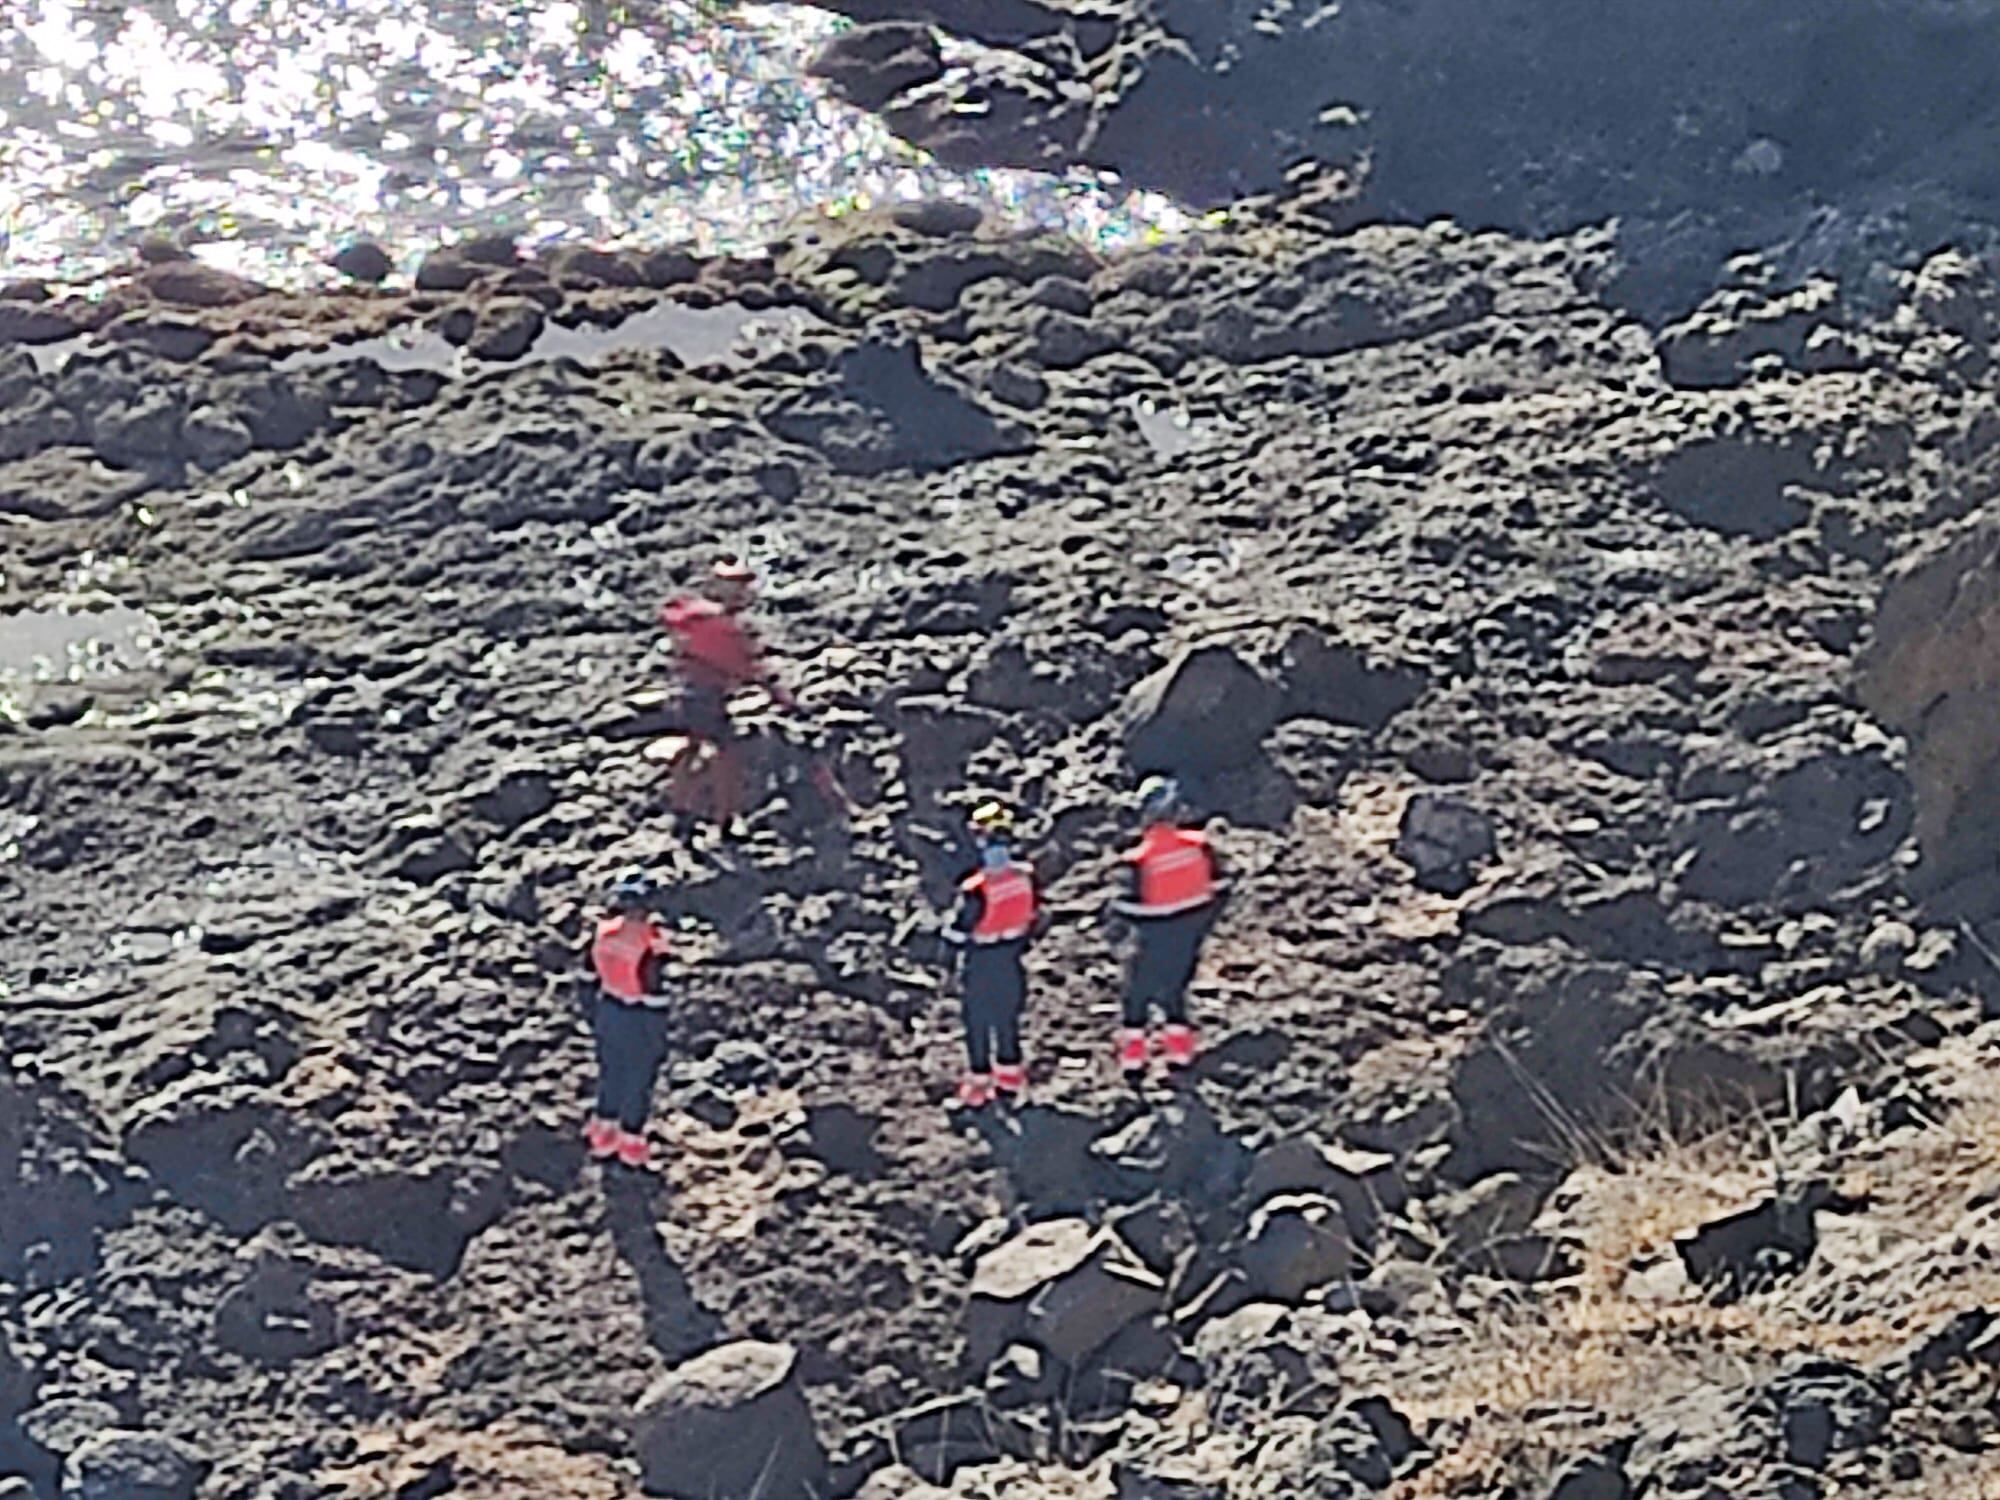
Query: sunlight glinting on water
x=266 y=133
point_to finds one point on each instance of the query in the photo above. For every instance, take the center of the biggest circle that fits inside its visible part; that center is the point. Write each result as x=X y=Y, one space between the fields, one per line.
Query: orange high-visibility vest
x=1176 y=873
x=1009 y=912
x=619 y=955
x=716 y=650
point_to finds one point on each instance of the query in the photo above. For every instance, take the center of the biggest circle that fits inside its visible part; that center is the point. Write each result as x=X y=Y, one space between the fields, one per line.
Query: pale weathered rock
x=119 y=1465
x=190 y=283
x=899 y=1482
x=1953 y=291
x=1887 y=945
x=1500 y=1205
x=1927 y=671
x=1250 y=1324
x=1064 y=1286
x=1715 y=346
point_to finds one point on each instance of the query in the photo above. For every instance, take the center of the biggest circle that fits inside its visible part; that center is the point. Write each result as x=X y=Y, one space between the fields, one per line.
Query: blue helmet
x=631 y=891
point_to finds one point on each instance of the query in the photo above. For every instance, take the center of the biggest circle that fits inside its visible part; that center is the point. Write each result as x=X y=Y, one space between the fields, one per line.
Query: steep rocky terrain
x=1849 y=138
x=1594 y=1102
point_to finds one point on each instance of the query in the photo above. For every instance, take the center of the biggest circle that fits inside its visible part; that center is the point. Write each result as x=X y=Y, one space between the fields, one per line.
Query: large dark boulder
x=1296 y=1242
x=1443 y=840
x=731 y=1421
x=1064 y=1286
x=1754 y=1246
x=869 y=65
x=1206 y=710
x=18 y=1380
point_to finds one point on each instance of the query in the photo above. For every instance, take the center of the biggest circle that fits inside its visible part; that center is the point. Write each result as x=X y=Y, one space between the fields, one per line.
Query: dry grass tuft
x=504 y=1462
x=1531 y=1382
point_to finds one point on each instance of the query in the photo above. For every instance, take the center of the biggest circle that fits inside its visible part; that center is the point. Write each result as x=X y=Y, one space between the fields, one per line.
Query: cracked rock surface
x=1592 y=1092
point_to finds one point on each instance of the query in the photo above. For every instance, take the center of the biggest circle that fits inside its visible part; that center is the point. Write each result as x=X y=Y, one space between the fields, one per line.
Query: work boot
x=601 y=1138
x=1178 y=1044
x=1011 y=1079
x=975 y=1090
x=1132 y=1051
x=633 y=1150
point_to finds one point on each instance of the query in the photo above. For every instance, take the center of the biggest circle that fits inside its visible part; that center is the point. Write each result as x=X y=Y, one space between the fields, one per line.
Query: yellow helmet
x=992 y=817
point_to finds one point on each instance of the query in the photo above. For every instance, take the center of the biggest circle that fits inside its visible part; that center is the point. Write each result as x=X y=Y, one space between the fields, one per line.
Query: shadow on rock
x=1048 y=1160
x=884 y=411
x=676 y=1324
x=57 y=1195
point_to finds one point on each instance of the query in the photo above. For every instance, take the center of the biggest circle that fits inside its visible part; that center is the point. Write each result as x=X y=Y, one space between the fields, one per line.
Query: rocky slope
x=1592 y=1107
x=1850 y=138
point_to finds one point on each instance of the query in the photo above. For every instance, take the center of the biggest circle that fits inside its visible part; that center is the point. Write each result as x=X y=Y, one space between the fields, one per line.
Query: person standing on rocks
x=988 y=934
x=1174 y=887
x=628 y=1021
x=717 y=654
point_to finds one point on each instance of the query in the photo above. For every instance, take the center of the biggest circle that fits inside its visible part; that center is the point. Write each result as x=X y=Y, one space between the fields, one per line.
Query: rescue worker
x=989 y=932
x=1172 y=898
x=718 y=654
x=628 y=1020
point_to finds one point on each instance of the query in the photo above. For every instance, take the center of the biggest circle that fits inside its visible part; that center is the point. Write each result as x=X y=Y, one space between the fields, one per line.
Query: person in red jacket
x=628 y=1020
x=717 y=655
x=988 y=933
x=1174 y=885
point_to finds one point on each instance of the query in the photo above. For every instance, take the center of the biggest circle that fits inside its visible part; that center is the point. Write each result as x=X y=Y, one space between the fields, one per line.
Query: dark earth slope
x=1564 y=842
x=1844 y=138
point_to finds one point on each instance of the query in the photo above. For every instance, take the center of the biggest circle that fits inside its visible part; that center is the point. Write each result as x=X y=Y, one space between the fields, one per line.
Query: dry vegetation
x=508 y=1458
x=1606 y=1345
